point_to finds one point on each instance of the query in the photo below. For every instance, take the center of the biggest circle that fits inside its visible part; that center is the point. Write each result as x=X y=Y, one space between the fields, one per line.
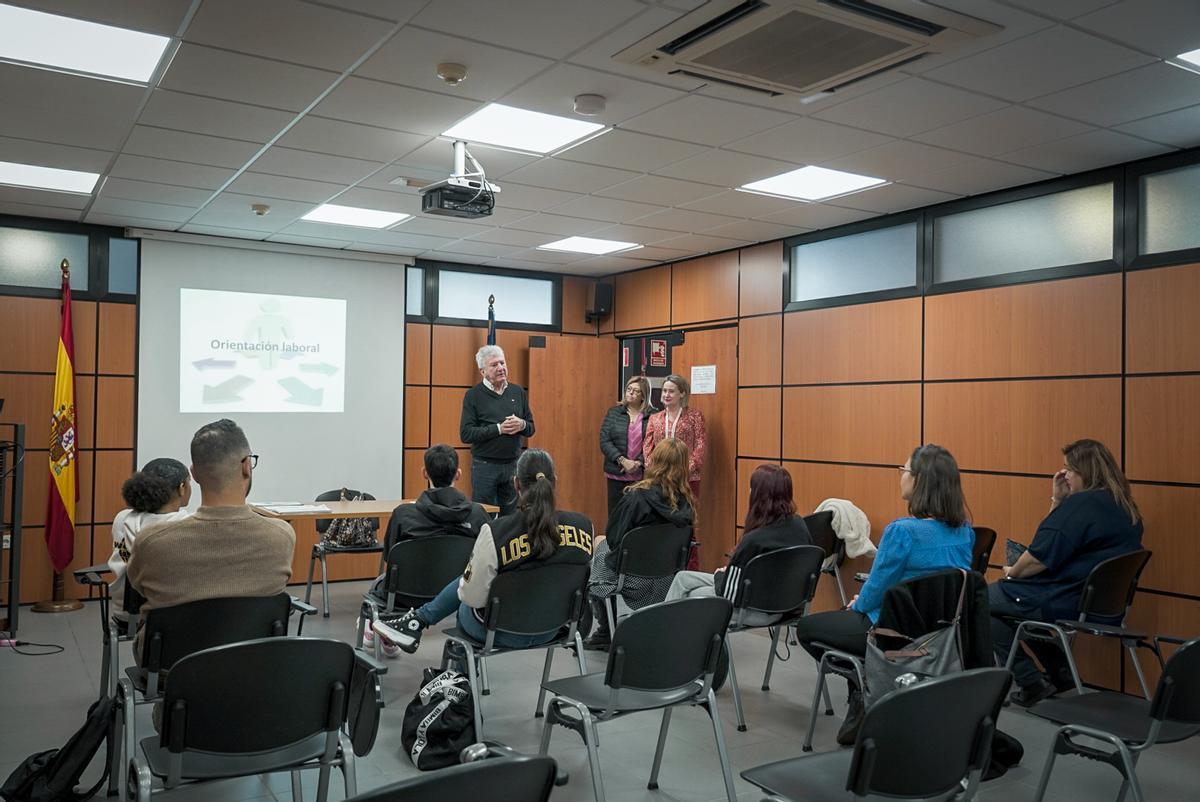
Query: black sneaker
x=404 y=631
x=1030 y=695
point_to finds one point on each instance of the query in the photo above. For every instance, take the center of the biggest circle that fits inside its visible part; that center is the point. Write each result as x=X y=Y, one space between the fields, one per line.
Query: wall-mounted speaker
x=600 y=299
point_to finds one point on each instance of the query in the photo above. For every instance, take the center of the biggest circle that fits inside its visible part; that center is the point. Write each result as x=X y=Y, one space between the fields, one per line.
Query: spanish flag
x=64 y=492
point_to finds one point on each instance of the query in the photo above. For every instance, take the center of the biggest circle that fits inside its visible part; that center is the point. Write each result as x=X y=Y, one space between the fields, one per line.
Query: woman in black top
x=621 y=436
x=771 y=524
x=1092 y=518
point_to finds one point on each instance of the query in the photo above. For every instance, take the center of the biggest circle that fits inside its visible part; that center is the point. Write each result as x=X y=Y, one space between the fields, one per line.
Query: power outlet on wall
x=7 y=542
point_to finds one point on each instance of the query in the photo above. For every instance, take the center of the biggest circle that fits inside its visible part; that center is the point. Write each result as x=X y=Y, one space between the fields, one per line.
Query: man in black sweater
x=495 y=416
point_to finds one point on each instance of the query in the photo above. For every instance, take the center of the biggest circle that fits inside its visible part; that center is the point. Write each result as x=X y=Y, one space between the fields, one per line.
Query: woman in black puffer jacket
x=621 y=436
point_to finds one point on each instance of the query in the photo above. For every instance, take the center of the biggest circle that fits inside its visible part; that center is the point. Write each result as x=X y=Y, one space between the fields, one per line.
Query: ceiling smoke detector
x=260 y=209
x=590 y=105
x=452 y=73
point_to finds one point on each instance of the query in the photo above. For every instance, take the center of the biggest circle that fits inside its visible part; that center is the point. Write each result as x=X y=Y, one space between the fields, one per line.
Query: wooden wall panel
x=37 y=488
x=745 y=467
x=454 y=350
x=414 y=463
x=464 y=465
x=112 y=469
x=1162 y=328
x=27 y=400
x=118 y=333
x=1163 y=615
x=36 y=574
x=445 y=415
x=1162 y=428
x=416 y=417
x=758 y=422
x=761 y=285
x=416 y=353
x=876 y=423
x=1012 y=505
x=1021 y=426
x=642 y=299
x=85 y=411
x=1051 y=328
x=760 y=350
x=31 y=327
x=114 y=412
x=867 y=343
x=84 y=512
x=1170 y=515
x=705 y=289
x=83 y=326
x=575 y=304
x=515 y=343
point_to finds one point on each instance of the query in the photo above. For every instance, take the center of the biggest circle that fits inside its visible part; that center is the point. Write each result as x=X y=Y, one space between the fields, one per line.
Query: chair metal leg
x=106 y=656
x=312 y=564
x=473 y=681
x=610 y=607
x=766 y=683
x=737 y=691
x=828 y=702
x=143 y=780
x=591 y=741
x=722 y=753
x=116 y=759
x=658 y=752
x=128 y=746
x=816 y=700
x=1137 y=666
x=1129 y=761
x=324 y=585
x=1047 y=769
x=297 y=789
x=487 y=688
x=544 y=746
x=323 y=782
x=837 y=579
x=349 y=770
x=537 y=713
x=579 y=655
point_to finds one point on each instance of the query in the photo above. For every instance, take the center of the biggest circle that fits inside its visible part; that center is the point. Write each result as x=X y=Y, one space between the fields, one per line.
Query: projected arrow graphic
x=211 y=364
x=301 y=393
x=226 y=391
x=318 y=367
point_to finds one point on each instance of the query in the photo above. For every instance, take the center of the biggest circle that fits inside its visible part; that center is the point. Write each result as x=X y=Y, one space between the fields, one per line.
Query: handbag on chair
x=349 y=533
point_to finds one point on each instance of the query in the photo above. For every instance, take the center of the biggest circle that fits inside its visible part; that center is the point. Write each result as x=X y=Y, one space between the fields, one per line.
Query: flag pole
x=62 y=450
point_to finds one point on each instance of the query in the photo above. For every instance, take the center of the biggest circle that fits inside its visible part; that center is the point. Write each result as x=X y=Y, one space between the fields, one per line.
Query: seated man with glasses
x=225 y=549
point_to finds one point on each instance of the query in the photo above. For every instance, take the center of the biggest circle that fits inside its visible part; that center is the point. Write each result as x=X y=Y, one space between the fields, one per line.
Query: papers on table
x=285 y=509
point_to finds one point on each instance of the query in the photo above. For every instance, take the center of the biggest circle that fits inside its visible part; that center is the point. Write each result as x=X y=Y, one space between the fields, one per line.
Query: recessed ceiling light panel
x=589 y=245
x=354 y=216
x=812 y=184
x=49 y=178
x=1189 y=60
x=518 y=129
x=78 y=46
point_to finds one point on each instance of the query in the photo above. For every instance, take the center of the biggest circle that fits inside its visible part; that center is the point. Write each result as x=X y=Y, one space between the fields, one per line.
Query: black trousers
x=492 y=483
x=615 y=491
x=1005 y=618
x=844 y=630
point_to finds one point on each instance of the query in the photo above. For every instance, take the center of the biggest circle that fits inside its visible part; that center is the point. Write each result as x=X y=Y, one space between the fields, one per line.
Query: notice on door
x=704 y=379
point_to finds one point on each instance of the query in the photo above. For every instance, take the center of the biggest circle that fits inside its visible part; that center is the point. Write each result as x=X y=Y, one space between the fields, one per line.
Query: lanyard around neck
x=671 y=429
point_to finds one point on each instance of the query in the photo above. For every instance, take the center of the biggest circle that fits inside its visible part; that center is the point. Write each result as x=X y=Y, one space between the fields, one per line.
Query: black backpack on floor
x=52 y=775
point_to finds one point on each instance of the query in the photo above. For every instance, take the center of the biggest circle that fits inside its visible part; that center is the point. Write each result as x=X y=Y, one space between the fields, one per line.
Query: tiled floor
x=45 y=698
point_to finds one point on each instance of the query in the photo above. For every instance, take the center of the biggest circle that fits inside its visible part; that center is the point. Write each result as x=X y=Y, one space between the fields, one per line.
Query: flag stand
x=56 y=603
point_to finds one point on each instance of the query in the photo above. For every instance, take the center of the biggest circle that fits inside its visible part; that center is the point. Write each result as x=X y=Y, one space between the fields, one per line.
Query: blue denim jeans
x=446 y=602
x=492 y=483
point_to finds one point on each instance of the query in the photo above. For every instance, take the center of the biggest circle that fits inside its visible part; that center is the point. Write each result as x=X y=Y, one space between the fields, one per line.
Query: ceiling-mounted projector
x=463 y=194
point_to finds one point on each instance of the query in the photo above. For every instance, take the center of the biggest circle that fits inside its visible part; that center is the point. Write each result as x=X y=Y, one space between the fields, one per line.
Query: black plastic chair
x=257 y=707
x=113 y=631
x=416 y=570
x=1128 y=724
x=544 y=598
x=528 y=779
x=929 y=740
x=778 y=586
x=662 y=656
x=981 y=551
x=820 y=528
x=660 y=550
x=1107 y=593
x=321 y=551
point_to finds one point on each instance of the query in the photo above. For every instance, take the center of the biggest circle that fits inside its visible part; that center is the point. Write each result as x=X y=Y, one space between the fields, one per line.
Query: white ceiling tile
x=549 y=257
x=49 y=154
x=232 y=210
x=245 y=79
x=410 y=58
x=599 y=52
x=277 y=186
x=436 y=158
x=314 y=166
x=1144 y=92
x=321 y=135
x=554 y=91
x=603 y=265
x=513 y=263
x=72 y=110
x=977 y=177
x=546 y=27
x=62 y=200
x=509 y=236
x=485 y=250
x=118 y=207
x=394 y=238
x=162 y=171
x=395 y=250
x=128 y=222
x=626 y=232
x=362 y=197
x=205 y=115
x=558 y=224
x=610 y=210
x=535 y=199
x=1085 y=152
x=316 y=242
x=910 y=107
x=1179 y=128
x=1164 y=27
x=1015 y=23
x=701 y=243
x=1004 y=130
x=683 y=220
x=900 y=160
x=756 y=230
x=656 y=253
x=817 y=215
x=733 y=203
x=375 y=103
x=706 y=120
x=1063 y=9
x=500 y=216
x=892 y=198
x=165 y=143
x=726 y=168
x=660 y=190
x=149 y=192
x=301 y=33
x=631 y=151
x=569 y=176
x=38 y=210
x=393 y=10
x=224 y=231
x=808 y=141
x=1044 y=62
x=436 y=226
x=452 y=257
x=161 y=17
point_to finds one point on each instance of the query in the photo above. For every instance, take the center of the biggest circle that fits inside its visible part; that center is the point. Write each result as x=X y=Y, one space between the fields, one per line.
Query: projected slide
x=252 y=352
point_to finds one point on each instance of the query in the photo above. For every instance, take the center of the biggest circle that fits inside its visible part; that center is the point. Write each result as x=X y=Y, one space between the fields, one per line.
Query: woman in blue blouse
x=936 y=536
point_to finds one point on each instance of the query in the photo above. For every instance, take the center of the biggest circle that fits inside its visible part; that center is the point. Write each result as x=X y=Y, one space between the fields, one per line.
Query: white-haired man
x=495 y=416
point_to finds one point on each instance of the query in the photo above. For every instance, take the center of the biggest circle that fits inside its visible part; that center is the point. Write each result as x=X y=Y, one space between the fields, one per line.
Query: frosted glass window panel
x=1065 y=228
x=122 y=265
x=1170 y=211
x=884 y=259
x=414 y=291
x=518 y=300
x=30 y=258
